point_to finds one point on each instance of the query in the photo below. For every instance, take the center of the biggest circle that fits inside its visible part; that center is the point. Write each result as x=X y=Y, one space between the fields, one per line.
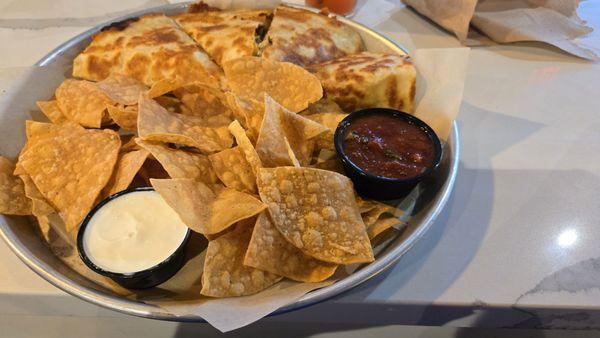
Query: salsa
x=387 y=146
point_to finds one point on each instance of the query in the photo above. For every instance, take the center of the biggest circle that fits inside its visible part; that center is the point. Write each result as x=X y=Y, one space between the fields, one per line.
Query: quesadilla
x=226 y=35
x=304 y=37
x=369 y=80
x=150 y=48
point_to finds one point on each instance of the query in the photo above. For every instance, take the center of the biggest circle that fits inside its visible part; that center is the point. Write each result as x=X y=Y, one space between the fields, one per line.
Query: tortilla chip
x=203 y=210
x=291 y=154
x=152 y=169
x=365 y=205
x=180 y=163
x=225 y=274
x=173 y=105
x=128 y=164
x=60 y=244
x=39 y=205
x=378 y=216
x=323 y=106
x=202 y=100
x=291 y=85
x=331 y=121
x=34 y=132
x=248 y=112
x=163 y=87
x=34 y=129
x=215 y=121
x=279 y=124
x=124 y=117
x=51 y=110
x=327 y=113
x=128 y=143
x=315 y=210
x=155 y=123
x=333 y=164
x=381 y=225
x=245 y=145
x=234 y=170
x=371 y=216
x=270 y=251
x=13 y=200
x=122 y=89
x=71 y=166
x=82 y=102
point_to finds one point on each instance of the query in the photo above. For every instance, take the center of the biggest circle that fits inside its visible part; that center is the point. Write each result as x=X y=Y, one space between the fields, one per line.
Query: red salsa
x=387 y=146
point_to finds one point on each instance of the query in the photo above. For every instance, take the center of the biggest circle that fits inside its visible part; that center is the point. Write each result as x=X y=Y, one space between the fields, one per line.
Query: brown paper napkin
x=551 y=21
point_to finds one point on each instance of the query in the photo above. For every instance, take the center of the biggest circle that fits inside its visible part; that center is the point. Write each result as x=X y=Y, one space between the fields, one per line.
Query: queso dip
x=133 y=232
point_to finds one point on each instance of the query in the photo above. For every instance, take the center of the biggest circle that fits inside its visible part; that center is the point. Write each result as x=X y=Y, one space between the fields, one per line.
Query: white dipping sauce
x=133 y=232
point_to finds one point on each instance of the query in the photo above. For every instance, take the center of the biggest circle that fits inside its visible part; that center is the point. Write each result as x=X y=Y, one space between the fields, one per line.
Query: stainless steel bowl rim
x=131 y=307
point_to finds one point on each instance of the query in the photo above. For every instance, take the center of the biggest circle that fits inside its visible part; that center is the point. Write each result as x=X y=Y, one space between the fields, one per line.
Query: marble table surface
x=516 y=246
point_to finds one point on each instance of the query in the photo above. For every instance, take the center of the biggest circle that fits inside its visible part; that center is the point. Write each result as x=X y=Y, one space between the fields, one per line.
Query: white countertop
x=517 y=245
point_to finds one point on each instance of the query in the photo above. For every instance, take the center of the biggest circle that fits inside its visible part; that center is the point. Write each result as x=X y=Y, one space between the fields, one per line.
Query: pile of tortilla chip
x=247 y=162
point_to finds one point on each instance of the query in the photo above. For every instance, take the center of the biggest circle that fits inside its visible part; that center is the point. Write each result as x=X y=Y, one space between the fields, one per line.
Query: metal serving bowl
x=30 y=248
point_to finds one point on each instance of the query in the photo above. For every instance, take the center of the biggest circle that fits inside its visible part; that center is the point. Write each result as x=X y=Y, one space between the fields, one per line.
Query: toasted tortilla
x=369 y=80
x=225 y=35
x=304 y=37
x=149 y=48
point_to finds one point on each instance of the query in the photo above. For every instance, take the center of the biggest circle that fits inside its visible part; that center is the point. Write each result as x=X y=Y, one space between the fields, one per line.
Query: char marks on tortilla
x=303 y=37
x=225 y=35
x=149 y=49
x=369 y=80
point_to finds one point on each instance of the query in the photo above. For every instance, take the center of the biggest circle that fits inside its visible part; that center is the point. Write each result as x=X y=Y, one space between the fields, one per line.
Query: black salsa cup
x=143 y=279
x=379 y=187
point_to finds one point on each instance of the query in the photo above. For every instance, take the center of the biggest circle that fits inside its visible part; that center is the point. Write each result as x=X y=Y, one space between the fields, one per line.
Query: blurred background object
x=342 y=7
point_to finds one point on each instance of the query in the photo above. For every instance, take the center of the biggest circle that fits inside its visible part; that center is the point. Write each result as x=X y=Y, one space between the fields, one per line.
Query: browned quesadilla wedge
x=369 y=80
x=149 y=48
x=226 y=35
x=304 y=37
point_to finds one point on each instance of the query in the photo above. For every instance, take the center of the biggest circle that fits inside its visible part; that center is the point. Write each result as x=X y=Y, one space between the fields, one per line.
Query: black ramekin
x=378 y=187
x=141 y=279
